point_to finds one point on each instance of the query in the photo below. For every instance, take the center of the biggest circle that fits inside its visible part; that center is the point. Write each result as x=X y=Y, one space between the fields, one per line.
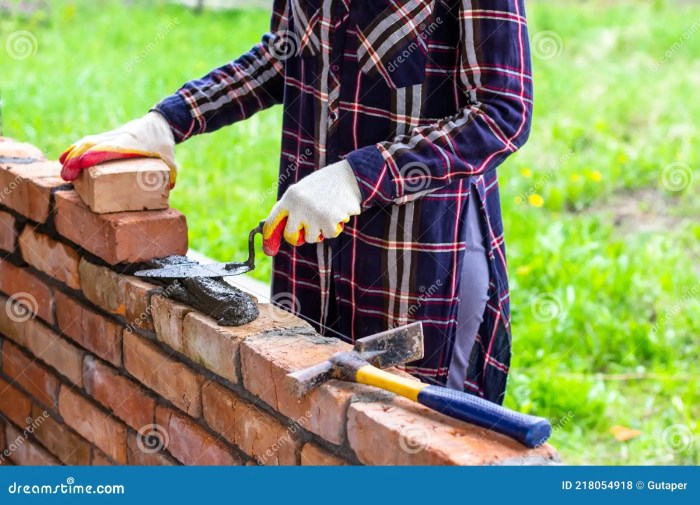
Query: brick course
x=8 y=237
x=14 y=404
x=190 y=443
x=30 y=293
x=90 y=329
x=26 y=452
x=49 y=256
x=122 y=236
x=60 y=440
x=124 y=397
x=30 y=374
x=163 y=374
x=103 y=369
x=101 y=429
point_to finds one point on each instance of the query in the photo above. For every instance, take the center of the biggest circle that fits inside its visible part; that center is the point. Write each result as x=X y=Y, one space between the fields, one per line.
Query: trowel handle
x=531 y=431
x=251 y=244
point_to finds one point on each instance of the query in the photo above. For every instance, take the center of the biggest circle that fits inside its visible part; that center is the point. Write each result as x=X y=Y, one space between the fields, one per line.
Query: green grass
x=605 y=317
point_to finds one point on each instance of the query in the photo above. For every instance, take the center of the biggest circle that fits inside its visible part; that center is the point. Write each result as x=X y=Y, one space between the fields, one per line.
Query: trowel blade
x=187 y=271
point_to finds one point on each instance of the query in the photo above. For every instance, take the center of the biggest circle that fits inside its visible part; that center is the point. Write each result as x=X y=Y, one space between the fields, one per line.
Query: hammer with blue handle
x=401 y=345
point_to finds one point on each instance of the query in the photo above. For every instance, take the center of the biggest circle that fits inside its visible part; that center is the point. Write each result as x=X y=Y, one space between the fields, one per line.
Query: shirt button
x=335 y=68
x=333 y=116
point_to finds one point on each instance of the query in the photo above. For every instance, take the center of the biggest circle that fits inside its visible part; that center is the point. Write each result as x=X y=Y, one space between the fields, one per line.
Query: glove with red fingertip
x=316 y=207
x=146 y=137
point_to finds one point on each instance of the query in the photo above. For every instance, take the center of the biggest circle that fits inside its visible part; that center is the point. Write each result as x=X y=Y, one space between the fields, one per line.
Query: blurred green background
x=601 y=206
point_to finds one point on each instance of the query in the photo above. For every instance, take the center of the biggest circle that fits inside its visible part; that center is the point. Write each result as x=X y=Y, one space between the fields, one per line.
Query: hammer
x=398 y=346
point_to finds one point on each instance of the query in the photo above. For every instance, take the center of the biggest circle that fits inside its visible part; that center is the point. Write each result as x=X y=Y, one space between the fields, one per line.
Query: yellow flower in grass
x=622 y=158
x=536 y=200
x=575 y=177
x=596 y=176
x=526 y=172
x=524 y=270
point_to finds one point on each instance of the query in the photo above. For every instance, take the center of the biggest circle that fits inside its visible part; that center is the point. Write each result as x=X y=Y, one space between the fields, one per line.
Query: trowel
x=188 y=270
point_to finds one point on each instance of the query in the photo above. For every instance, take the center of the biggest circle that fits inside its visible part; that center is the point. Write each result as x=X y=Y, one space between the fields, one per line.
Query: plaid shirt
x=424 y=98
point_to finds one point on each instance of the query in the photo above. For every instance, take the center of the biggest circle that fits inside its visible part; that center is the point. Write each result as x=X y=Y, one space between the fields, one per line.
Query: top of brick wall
x=32 y=187
x=106 y=357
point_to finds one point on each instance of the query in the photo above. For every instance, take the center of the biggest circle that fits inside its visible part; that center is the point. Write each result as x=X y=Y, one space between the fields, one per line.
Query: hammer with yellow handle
x=401 y=345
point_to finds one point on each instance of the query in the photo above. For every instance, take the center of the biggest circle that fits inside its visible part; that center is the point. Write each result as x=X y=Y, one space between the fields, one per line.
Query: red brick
x=89 y=329
x=267 y=359
x=53 y=350
x=30 y=374
x=11 y=148
x=11 y=327
x=125 y=185
x=8 y=234
x=164 y=375
x=123 y=236
x=212 y=346
x=28 y=290
x=53 y=258
x=190 y=444
x=420 y=436
x=25 y=452
x=145 y=455
x=218 y=409
x=264 y=438
x=100 y=459
x=103 y=287
x=14 y=404
x=216 y=347
x=60 y=441
x=257 y=433
x=119 y=394
x=168 y=317
x=315 y=455
x=136 y=301
x=26 y=188
x=90 y=422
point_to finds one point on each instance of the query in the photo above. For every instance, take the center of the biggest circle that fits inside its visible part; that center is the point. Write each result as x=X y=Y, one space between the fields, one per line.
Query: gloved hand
x=146 y=137
x=314 y=208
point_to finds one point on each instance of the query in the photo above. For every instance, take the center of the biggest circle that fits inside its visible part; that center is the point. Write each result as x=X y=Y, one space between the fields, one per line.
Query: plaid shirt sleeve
x=495 y=73
x=235 y=91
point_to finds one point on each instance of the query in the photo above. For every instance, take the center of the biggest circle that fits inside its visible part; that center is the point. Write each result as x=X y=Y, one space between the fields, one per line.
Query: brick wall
x=99 y=368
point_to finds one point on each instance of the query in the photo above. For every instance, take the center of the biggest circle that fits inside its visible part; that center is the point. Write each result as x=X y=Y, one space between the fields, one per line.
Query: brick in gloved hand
x=228 y=305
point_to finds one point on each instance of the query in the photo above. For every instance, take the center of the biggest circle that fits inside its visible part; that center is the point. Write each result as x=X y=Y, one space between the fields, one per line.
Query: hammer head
x=392 y=347
x=388 y=348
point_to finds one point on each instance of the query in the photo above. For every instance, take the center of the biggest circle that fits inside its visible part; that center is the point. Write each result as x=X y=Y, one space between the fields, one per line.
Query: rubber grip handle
x=531 y=431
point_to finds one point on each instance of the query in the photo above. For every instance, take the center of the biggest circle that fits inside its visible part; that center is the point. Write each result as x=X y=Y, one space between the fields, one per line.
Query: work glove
x=146 y=137
x=316 y=207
